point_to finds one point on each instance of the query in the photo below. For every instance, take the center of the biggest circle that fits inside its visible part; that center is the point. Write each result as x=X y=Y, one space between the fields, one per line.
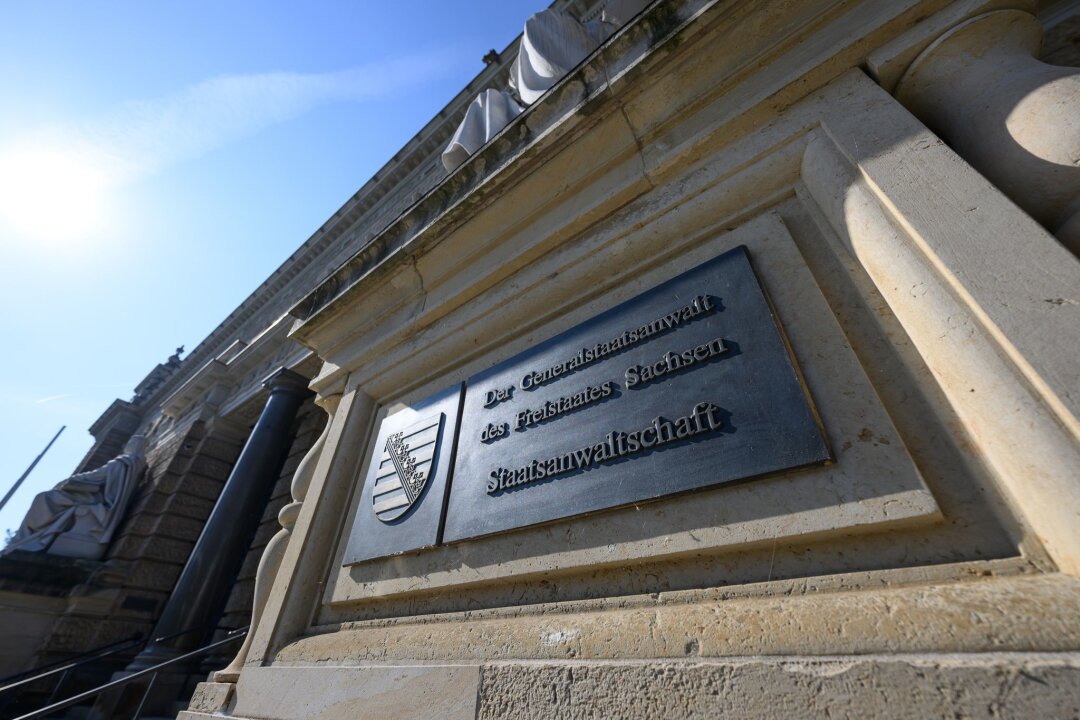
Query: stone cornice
x=578 y=94
x=196 y=386
x=116 y=408
x=617 y=88
x=416 y=165
x=424 y=148
x=237 y=374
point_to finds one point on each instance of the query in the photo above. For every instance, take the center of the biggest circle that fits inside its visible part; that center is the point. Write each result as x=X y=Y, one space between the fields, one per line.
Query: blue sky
x=159 y=160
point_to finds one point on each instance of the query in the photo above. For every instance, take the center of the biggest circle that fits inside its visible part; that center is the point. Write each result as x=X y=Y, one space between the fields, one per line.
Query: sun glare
x=51 y=195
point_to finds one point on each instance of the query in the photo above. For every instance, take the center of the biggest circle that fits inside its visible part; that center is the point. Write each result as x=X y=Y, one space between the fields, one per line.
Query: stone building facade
x=903 y=177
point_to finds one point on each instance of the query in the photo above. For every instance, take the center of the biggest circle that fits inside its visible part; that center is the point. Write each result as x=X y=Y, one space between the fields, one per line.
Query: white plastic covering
x=78 y=517
x=553 y=43
x=490 y=112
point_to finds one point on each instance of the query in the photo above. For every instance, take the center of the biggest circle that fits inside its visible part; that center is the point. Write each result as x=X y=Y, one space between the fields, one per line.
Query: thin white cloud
x=142 y=137
x=83 y=389
x=44 y=400
x=81 y=162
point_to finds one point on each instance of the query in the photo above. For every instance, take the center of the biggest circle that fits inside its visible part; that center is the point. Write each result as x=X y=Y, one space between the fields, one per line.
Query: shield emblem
x=405 y=467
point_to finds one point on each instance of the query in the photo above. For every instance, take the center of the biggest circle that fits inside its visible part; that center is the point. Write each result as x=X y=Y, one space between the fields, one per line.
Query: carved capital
x=981 y=87
x=283 y=380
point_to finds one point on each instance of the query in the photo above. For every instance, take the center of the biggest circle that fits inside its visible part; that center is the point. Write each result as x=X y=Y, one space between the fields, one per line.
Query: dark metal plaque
x=686 y=386
x=404 y=494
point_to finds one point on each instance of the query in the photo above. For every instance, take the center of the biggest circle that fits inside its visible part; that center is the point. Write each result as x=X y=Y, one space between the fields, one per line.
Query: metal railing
x=152 y=672
x=72 y=664
x=26 y=676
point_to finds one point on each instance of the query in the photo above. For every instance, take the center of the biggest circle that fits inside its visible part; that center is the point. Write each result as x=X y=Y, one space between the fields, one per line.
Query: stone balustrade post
x=981 y=87
x=275 y=549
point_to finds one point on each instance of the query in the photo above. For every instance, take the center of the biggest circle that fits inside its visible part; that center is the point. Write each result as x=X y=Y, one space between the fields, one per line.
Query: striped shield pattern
x=405 y=467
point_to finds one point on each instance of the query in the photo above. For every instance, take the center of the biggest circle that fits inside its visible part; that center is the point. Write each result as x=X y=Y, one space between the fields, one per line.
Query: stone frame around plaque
x=868 y=486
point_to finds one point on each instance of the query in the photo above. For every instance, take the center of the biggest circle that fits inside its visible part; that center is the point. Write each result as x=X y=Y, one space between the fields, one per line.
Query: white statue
x=78 y=517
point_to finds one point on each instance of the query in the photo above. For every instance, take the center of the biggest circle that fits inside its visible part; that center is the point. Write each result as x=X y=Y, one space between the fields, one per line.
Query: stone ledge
x=974 y=686
x=981 y=686
x=995 y=614
x=585 y=91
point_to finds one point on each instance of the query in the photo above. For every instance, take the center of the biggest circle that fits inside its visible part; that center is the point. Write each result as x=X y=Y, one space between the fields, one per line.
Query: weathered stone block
x=251 y=563
x=266 y=530
x=223 y=450
x=190 y=506
x=274 y=505
x=169 y=526
x=71 y=635
x=211 y=697
x=201 y=486
x=210 y=467
x=343 y=693
x=168 y=481
x=180 y=504
x=288 y=467
x=166 y=550
x=152 y=575
x=236 y=619
x=242 y=597
x=43 y=574
x=856 y=688
x=152 y=548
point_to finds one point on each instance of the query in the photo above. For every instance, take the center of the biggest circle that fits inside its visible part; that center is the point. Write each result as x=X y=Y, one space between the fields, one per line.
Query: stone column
x=982 y=89
x=210 y=570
